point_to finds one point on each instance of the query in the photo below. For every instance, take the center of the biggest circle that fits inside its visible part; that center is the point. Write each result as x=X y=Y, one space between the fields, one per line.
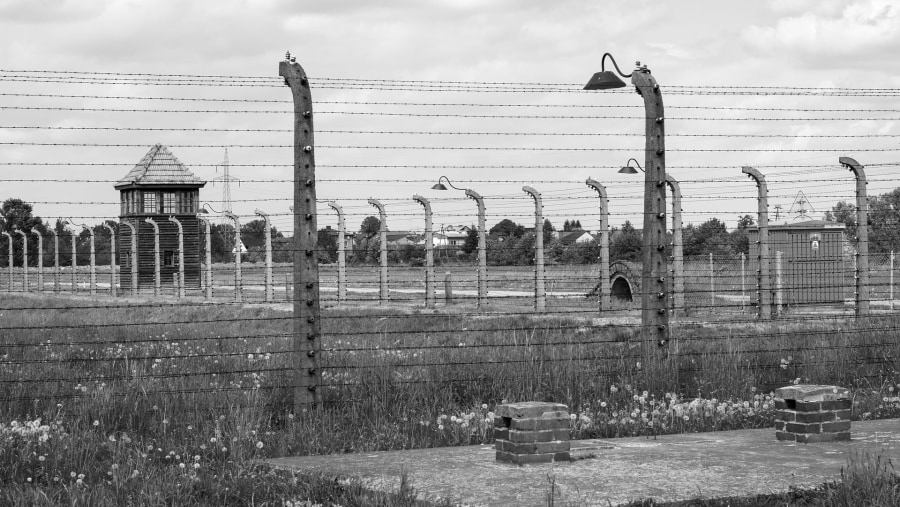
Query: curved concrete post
x=429 y=252
x=134 y=257
x=307 y=342
x=93 y=259
x=862 y=235
x=605 y=303
x=55 y=260
x=763 y=266
x=540 y=297
x=654 y=293
x=10 y=265
x=40 y=259
x=482 y=249
x=24 y=259
x=74 y=263
x=180 y=255
x=157 y=282
x=238 y=280
x=382 y=235
x=342 y=254
x=677 y=299
x=268 y=227
x=209 y=280
x=112 y=259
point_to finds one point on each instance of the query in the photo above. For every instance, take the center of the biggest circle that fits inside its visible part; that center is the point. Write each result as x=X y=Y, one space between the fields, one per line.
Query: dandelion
x=135 y=473
x=440 y=427
x=224 y=449
x=259 y=445
x=73 y=474
x=613 y=389
x=484 y=405
x=96 y=423
x=42 y=458
x=181 y=466
x=212 y=440
x=196 y=466
x=114 y=466
x=602 y=404
x=197 y=458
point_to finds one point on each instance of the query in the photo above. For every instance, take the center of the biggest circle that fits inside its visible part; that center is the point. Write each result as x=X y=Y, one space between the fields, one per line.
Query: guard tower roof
x=159 y=168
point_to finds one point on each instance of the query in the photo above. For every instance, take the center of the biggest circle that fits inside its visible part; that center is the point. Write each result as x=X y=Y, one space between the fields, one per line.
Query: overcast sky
x=494 y=139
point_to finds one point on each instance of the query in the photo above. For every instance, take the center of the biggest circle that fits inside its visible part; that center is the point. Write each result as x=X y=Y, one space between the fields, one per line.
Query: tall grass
x=170 y=402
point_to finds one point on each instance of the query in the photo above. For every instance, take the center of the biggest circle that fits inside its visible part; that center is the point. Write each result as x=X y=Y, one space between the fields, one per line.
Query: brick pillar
x=532 y=432
x=812 y=413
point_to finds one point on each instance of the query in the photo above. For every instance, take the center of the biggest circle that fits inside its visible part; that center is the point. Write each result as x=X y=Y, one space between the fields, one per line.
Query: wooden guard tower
x=159 y=187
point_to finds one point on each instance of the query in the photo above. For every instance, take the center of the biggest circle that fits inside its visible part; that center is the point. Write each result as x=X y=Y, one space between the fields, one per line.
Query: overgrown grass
x=175 y=404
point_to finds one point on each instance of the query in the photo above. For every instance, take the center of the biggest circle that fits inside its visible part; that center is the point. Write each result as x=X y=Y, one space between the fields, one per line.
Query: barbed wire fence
x=69 y=334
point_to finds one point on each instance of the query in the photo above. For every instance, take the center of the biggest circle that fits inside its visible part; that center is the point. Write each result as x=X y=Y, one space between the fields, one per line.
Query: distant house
x=452 y=236
x=577 y=237
x=348 y=236
x=402 y=238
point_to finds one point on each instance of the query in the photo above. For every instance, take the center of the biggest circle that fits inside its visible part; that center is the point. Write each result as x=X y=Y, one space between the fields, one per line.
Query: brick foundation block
x=531 y=432
x=812 y=413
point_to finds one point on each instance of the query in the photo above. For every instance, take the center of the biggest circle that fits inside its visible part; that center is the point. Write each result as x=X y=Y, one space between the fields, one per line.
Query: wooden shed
x=159 y=187
x=812 y=260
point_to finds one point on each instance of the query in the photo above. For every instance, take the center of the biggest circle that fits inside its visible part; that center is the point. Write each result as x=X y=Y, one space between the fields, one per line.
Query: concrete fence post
x=429 y=252
x=9 y=269
x=268 y=233
x=603 y=285
x=209 y=279
x=448 y=288
x=112 y=260
x=307 y=341
x=40 y=259
x=891 y=281
x=180 y=286
x=341 y=253
x=93 y=261
x=763 y=260
x=134 y=257
x=540 y=296
x=482 y=248
x=55 y=260
x=382 y=235
x=779 y=293
x=157 y=281
x=24 y=259
x=74 y=263
x=238 y=280
x=677 y=249
x=862 y=235
x=743 y=286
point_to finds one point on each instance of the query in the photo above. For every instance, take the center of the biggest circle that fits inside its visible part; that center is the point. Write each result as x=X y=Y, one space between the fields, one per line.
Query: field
x=109 y=401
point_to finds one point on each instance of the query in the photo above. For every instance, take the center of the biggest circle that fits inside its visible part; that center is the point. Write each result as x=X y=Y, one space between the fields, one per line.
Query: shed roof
x=159 y=168
x=808 y=224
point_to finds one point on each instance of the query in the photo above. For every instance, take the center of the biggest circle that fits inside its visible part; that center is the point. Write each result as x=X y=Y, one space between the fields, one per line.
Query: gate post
x=382 y=235
x=862 y=235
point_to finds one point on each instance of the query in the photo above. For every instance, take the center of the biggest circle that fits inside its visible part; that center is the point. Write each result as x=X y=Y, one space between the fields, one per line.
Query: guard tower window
x=169 y=202
x=169 y=258
x=150 y=202
x=187 y=201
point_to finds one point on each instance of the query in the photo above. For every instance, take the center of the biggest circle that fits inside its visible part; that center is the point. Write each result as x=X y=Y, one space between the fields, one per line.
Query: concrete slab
x=615 y=471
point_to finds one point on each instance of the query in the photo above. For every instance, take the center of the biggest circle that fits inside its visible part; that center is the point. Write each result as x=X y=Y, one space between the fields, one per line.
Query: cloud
x=862 y=30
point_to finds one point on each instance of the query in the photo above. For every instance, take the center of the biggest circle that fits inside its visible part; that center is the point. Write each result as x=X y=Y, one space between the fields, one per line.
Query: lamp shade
x=439 y=186
x=628 y=170
x=604 y=80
